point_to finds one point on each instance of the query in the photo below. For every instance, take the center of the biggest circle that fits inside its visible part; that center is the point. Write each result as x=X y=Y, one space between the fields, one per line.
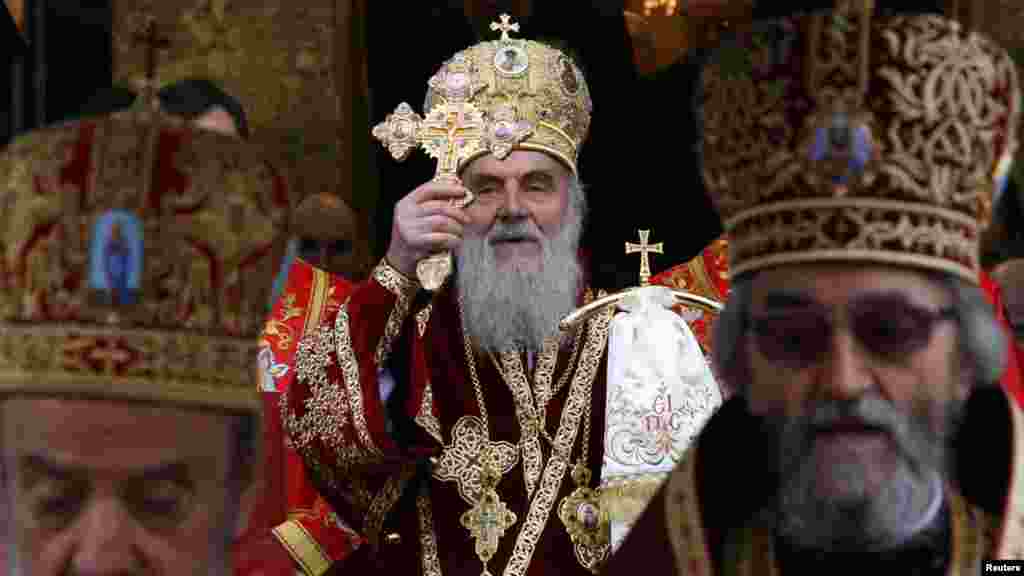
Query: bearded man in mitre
x=856 y=331
x=128 y=438
x=446 y=428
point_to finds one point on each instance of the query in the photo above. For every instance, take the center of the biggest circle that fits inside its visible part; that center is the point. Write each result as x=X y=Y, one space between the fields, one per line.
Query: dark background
x=66 y=59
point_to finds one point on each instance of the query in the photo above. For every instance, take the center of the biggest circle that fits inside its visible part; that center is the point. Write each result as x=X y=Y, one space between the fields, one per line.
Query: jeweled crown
x=842 y=136
x=533 y=97
x=137 y=258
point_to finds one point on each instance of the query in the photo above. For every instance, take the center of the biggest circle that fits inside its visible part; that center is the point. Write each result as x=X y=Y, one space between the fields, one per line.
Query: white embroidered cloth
x=660 y=393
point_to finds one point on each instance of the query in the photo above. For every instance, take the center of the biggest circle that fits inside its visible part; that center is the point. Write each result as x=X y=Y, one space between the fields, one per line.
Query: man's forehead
x=516 y=165
x=833 y=284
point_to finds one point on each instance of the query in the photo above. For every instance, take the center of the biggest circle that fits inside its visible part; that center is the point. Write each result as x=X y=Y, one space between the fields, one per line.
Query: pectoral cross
x=150 y=37
x=451 y=133
x=645 y=250
x=488 y=520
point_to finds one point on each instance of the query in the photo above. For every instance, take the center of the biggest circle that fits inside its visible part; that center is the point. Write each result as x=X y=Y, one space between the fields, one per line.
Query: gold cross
x=488 y=520
x=505 y=27
x=645 y=250
x=150 y=37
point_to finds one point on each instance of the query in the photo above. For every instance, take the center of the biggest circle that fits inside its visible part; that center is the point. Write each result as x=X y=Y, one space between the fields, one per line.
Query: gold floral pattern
x=529 y=420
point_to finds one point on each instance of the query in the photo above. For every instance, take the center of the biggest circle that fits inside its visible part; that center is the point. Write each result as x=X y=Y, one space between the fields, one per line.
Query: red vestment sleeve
x=291 y=526
x=335 y=422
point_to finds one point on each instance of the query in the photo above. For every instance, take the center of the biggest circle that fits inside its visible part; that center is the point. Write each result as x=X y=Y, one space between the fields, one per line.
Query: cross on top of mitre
x=149 y=36
x=505 y=26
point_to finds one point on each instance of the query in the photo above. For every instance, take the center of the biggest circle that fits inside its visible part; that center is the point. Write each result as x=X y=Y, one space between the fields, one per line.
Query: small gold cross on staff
x=645 y=250
x=150 y=37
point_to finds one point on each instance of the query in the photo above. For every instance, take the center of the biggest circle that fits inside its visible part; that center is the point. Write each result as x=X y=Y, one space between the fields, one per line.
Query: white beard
x=519 y=303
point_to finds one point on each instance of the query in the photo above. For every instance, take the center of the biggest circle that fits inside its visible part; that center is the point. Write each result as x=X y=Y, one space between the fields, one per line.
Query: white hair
x=521 y=305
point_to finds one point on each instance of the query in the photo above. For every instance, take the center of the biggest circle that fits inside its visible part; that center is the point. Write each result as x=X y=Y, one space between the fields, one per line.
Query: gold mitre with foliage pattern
x=137 y=258
x=846 y=136
x=533 y=97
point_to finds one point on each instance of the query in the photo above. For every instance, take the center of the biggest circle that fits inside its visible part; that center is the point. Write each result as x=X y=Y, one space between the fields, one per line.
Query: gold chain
x=477 y=387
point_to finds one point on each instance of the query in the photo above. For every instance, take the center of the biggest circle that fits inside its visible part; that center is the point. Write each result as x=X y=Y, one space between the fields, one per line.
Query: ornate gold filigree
x=463 y=460
x=883 y=143
x=425 y=417
x=428 y=537
x=383 y=502
x=422 y=319
x=554 y=473
x=396 y=318
x=529 y=422
x=394 y=281
x=349 y=364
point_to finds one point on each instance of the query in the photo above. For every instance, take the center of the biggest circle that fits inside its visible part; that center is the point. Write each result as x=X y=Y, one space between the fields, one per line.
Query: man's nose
x=843 y=371
x=512 y=206
x=106 y=544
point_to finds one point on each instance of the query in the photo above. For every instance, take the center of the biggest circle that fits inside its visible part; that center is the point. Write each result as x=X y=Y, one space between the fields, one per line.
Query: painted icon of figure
x=847 y=147
x=510 y=61
x=116 y=258
x=116 y=261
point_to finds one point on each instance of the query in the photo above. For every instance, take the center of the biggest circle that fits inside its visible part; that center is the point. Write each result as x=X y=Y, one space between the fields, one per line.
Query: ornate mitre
x=137 y=255
x=531 y=96
x=844 y=136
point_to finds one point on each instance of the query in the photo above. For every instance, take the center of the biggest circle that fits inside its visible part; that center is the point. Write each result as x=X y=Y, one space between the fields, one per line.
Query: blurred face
x=858 y=370
x=1010 y=276
x=518 y=269
x=217 y=120
x=117 y=488
x=334 y=255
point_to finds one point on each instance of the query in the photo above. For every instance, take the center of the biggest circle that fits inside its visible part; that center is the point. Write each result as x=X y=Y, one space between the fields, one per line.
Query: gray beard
x=521 y=302
x=863 y=522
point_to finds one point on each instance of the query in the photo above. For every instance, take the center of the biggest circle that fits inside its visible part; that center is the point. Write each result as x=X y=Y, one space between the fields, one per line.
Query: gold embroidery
x=428 y=537
x=512 y=371
x=349 y=365
x=302 y=547
x=394 y=281
x=384 y=502
x=425 y=417
x=317 y=299
x=462 y=460
x=395 y=321
x=554 y=473
x=422 y=318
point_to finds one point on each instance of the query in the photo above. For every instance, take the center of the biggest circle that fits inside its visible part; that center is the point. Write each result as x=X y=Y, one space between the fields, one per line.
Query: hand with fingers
x=429 y=220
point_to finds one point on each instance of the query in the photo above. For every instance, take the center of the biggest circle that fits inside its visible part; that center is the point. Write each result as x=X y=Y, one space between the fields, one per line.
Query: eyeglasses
x=887 y=327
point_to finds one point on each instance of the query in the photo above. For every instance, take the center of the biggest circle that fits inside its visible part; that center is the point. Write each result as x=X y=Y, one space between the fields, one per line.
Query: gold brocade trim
x=624 y=499
x=515 y=376
x=579 y=394
x=302 y=547
x=214 y=371
x=425 y=417
x=683 y=521
x=317 y=300
x=394 y=281
x=422 y=318
x=349 y=365
x=384 y=502
x=428 y=537
x=396 y=318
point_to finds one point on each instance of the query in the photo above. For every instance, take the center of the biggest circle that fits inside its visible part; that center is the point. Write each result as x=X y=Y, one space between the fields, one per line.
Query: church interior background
x=299 y=68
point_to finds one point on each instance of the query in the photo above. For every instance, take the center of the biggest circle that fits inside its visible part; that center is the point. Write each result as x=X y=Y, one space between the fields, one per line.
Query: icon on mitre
x=660 y=392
